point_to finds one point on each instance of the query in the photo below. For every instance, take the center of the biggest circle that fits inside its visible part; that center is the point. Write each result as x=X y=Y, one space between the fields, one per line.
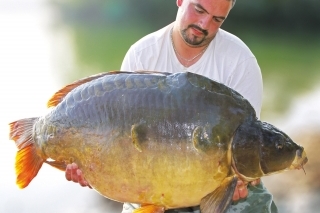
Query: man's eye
x=198 y=10
x=218 y=20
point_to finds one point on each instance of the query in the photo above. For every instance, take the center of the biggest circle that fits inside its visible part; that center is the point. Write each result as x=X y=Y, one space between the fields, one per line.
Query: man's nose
x=204 y=22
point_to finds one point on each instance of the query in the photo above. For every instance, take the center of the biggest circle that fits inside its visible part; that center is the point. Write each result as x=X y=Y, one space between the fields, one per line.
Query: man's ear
x=179 y=3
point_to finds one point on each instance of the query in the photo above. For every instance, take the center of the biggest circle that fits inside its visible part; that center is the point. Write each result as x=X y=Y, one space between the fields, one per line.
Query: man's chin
x=195 y=43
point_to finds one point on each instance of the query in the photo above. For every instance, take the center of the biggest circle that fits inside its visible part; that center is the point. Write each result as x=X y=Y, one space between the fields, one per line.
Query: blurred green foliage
x=284 y=36
x=284 y=15
x=290 y=66
x=146 y=14
x=103 y=49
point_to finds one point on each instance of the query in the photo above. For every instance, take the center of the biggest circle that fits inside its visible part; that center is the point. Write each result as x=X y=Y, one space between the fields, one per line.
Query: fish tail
x=28 y=162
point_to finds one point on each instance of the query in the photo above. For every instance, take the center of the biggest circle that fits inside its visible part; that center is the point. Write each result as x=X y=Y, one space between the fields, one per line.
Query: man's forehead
x=208 y=4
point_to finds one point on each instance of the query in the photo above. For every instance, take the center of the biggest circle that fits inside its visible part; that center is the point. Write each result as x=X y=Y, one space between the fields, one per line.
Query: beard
x=193 y=40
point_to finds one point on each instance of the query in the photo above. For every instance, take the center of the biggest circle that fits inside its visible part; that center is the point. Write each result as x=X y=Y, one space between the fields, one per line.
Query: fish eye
x=279 y=145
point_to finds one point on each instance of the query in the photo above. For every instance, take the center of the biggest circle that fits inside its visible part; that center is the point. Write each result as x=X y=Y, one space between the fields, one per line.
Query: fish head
x=260 y=149
x=279 y=152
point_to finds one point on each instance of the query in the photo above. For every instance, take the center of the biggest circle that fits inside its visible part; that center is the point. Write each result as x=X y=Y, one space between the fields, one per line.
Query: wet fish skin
x=139 y=104
x=152 y=138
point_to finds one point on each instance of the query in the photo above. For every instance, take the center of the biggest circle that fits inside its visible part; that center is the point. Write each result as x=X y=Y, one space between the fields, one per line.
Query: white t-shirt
x=227 y=60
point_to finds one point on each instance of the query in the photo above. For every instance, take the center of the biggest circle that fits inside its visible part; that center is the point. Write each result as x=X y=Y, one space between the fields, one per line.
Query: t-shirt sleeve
x=129 y=62
x=247 y=80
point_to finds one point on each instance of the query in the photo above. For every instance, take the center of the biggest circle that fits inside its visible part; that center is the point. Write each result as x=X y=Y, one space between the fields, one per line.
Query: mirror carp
x=162 y=140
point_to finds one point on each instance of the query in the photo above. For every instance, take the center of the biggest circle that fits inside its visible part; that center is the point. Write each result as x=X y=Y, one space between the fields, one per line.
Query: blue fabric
x=259 y=200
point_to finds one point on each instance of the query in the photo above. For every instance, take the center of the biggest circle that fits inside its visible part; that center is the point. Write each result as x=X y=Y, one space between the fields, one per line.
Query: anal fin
x=149 y=208
x=220 y=199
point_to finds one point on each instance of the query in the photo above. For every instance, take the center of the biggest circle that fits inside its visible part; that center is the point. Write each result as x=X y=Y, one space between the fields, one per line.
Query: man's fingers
x=80 y=178
x=69 y=172
x=255 y=182
x=241 y=191
x=73 y=173
x=236 y=196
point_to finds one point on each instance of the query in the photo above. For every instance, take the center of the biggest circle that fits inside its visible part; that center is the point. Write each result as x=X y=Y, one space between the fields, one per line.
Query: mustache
x=205 y=32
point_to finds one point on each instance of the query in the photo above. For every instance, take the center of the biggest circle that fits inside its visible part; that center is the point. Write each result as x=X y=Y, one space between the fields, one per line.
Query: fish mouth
x=299 y=161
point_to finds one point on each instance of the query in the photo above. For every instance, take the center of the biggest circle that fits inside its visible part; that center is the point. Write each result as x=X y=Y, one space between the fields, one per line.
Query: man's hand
x=73 y=173
x=241 y=190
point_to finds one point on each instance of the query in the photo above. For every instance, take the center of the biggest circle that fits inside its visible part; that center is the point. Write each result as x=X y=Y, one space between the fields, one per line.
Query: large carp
x=162 y=140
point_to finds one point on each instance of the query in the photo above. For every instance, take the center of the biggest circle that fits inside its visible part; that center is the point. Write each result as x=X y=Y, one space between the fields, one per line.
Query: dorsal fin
x=60 y=94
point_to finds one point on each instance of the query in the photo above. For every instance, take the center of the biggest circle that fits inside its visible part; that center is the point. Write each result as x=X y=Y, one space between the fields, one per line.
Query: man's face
x=199 y=20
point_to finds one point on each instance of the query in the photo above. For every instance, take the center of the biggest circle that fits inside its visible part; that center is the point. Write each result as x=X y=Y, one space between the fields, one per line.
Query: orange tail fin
x=28 y=162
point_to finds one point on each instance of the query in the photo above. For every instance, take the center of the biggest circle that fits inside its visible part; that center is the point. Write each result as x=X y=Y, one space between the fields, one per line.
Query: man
x=195 y=43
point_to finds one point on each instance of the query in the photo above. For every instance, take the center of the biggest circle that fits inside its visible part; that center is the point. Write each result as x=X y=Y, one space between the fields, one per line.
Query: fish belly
x=172 y=176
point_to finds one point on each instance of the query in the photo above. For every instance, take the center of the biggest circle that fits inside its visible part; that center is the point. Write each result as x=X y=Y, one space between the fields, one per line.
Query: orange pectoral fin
x=148 y=208
x=28 y=163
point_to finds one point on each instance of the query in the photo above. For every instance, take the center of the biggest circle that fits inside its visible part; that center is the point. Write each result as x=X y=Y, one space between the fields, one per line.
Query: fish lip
x=305 y=161
x=300 y=160
x=300 y=166
x=299 y=152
